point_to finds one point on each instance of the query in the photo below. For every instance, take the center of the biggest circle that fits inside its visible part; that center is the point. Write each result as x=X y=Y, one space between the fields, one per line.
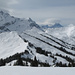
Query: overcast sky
x=42 y=11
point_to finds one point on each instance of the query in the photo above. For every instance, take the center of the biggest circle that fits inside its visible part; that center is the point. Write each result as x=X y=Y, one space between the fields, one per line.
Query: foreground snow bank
x=36 y=71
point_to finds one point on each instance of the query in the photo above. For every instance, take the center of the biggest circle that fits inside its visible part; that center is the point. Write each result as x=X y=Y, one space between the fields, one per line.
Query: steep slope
x=65 y=33
x=50 y=45
x=10 y=23
x=10 y=44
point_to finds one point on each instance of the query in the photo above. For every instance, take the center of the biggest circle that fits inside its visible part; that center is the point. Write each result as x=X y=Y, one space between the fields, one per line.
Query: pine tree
x=2 y=62
x=35 y=62
x=19 y=62
x=69 y=65
x=26 y=63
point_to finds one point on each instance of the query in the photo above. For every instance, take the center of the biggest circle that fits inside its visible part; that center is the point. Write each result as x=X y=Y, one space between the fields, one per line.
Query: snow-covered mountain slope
x=64 y=33
x=24 y=40
x=10 y=44
x=10 y=23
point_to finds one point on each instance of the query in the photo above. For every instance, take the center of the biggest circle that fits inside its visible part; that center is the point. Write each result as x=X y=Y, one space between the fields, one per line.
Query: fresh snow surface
x=10 y=44
x=36 y=71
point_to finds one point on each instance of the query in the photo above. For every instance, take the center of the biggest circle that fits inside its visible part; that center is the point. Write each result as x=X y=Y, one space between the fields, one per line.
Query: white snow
x=10 y=44
x=64 y=33
x=11 y=63
x=62 y=60
x=36 y=71
x=45 y=59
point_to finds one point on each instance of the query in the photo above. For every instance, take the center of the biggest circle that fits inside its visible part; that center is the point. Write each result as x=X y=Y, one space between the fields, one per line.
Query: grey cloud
x=3 y=3
x=65 y=14
x=7 y=3
x=35 y=4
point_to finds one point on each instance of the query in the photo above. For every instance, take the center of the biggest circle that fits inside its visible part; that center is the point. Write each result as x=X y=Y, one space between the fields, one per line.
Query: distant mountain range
x=56 y=25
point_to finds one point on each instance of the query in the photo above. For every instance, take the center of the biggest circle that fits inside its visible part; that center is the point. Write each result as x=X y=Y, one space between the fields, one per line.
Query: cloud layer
x=36 y=4
x=42 y=10
x=50 y=21
x=7 y=3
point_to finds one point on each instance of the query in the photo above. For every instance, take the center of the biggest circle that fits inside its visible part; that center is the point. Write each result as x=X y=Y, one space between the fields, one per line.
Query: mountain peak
x=30 y=20
x=3 y=11
x=56 y=25
x=16 y=24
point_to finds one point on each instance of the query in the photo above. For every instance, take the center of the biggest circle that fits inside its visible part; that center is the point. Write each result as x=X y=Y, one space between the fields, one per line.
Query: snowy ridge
x=10 y=44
